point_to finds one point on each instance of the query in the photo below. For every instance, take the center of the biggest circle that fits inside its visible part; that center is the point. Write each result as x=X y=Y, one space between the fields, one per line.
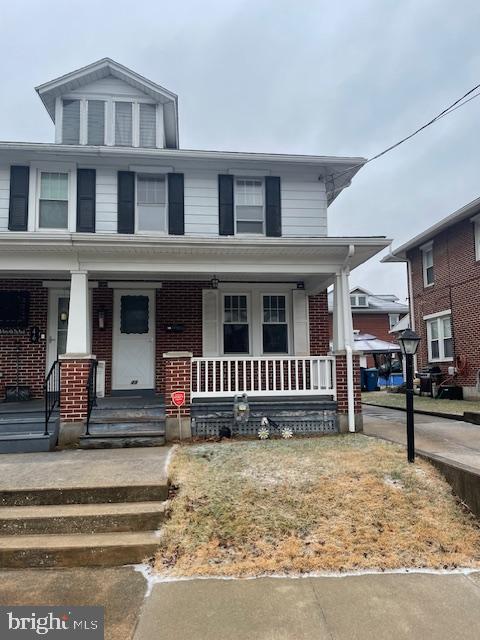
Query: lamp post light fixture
x=409 y=340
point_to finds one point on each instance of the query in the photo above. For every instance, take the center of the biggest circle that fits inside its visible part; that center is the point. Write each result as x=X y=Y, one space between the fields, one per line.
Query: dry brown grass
x=325 y=504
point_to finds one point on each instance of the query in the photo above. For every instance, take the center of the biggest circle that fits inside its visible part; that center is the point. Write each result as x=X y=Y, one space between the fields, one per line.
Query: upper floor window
x=427 y=262
x=476 y=231
x=148 y=122
x=53 y=205
x=151 y=203
x=439 y=336
x=358 y=300
x=71 y=122
x=123 y=124
x=393 y=319
x=249 y=205
x=96 y=122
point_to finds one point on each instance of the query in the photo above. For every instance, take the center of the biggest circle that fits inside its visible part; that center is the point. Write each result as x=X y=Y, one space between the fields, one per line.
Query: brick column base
x=178 y=371
x=73 y=398
x=342 y=393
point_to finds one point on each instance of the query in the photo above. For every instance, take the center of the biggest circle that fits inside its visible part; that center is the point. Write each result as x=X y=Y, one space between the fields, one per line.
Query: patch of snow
x=392 y=482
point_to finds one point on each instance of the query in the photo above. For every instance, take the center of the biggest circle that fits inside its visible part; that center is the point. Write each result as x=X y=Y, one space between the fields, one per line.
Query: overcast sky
x=298 y=76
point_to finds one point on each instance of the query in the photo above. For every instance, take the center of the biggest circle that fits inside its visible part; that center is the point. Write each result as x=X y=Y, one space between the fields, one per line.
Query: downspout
x=349 y=349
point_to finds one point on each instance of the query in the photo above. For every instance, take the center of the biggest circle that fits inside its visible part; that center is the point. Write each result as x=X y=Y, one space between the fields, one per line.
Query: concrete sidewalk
x=450 y=439
x=364 y=607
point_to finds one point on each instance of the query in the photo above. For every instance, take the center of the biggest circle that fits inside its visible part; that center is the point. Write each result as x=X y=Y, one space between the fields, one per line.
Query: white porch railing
x=222 y=377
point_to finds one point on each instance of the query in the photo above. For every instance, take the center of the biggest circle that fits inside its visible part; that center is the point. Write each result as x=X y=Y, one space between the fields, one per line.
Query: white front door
x=58 y=302
x=133 y=339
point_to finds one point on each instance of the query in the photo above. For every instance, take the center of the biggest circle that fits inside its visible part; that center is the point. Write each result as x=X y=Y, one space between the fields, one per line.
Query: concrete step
x=13 y=428
x=25 y=442
x=136 y=423
x=77 y=550
x=84 y=495
x=123 y=440
x=81 y=518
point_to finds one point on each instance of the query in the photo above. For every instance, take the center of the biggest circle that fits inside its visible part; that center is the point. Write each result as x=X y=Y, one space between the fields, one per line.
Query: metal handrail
x=51 y=392
x=91 y=393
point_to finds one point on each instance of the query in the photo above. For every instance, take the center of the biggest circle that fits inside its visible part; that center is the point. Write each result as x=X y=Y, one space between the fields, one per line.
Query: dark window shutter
x=86 y=192
x=273 y=209
x=18 y=207
x=225 y=205
x=176 y=209
x=126 y=202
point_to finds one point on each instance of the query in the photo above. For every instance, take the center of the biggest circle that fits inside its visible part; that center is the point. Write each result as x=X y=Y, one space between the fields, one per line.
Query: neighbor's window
x=476 y=228
x=71 y=122
x=148 y=125
x=235 y=324
x=427 y=257
x=275 y=327
x=249 y=209
x=358 y=300
x=123 y=124
x=53 y=201
x=393 y=318
x=151 y=203
x=96 y=122
x=439 y=334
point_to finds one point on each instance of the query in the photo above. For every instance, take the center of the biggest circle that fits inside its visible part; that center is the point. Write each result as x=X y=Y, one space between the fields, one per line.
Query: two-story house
x=372 y=313
x=176 y=270
x=443 y=266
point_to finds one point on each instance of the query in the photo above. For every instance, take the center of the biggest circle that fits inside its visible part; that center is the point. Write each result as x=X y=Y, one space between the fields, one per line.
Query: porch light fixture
x=409 y=340
x=300 y=285
x=214 y=282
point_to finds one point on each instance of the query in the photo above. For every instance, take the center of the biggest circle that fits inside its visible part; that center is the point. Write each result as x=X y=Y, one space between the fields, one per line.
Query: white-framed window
x=476 y=233
x=439 y=337
x=96 y=122
x=71 y=121
x=53 y=200
x=236 y=326
x=249 y=201
x=427 y=264
x=274 y=324
x=393 y=319
x=151 y=203
x=123 y=124
x=359 y=300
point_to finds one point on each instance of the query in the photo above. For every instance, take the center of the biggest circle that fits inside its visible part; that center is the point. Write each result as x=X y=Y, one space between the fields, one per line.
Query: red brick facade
x=31 y=356
x=456 y=287
x=177 y=373
x=73 y=389
x=319 y=328
x=341 y=377
x=102 y=302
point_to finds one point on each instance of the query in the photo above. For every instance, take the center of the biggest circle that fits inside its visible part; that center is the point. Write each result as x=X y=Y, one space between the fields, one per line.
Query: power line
x=460 y=102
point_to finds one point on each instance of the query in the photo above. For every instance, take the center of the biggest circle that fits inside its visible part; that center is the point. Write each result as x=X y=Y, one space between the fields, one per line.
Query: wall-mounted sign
x=178 y=398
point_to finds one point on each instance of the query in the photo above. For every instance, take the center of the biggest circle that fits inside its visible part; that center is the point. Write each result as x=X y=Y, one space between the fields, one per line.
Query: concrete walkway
x=365 y=607
x=450 y=439
x=83 y=468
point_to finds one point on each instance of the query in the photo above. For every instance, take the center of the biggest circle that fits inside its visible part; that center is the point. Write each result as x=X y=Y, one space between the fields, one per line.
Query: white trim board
x=438 y=314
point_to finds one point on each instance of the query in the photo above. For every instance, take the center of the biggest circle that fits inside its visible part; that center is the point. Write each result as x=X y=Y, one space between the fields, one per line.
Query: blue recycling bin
x=370 y=379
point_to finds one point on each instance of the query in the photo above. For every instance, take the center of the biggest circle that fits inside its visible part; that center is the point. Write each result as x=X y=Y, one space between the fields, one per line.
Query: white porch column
x=342 y=312
x=79 y=333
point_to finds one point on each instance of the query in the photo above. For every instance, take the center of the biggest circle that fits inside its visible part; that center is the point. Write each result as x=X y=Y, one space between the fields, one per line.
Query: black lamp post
x=409 y=340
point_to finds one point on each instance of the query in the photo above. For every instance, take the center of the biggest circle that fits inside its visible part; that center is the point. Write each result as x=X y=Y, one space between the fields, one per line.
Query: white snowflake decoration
x=263 y=433
x=287 y=433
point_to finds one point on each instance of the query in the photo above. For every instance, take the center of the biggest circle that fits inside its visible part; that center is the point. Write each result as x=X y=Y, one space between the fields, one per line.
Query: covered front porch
x=211 y=318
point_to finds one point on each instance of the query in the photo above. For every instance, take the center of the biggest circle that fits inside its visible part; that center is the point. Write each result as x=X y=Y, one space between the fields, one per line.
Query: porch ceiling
x=312 y=260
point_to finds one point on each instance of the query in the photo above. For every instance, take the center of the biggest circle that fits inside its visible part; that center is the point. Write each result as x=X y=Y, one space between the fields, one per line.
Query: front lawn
x=395 y=400
x=319 y=504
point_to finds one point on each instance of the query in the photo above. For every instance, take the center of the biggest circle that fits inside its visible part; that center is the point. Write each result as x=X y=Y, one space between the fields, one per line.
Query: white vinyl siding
x=439 y=336
x=123 y=124
x=148 y=125
x=4 y=196
x=96 y=122
x=71 y=122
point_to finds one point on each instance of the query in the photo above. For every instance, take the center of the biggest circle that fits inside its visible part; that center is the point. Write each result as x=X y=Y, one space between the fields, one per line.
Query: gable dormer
x=107 y=104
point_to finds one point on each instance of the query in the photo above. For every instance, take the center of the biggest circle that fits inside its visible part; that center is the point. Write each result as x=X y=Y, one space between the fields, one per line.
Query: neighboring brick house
x=204 y=271
x=374 y=314
x=443 y=266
